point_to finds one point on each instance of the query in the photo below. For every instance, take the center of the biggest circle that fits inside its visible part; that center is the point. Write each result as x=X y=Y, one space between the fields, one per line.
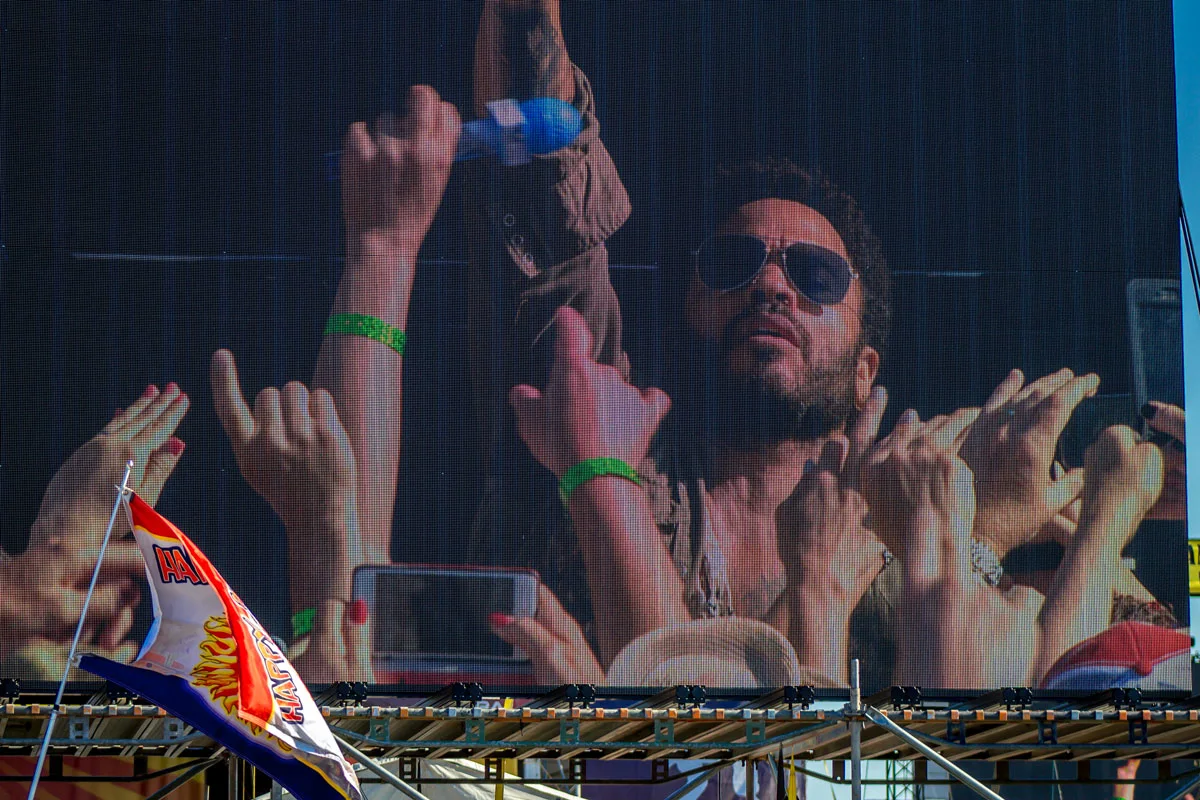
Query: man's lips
x=771 y=326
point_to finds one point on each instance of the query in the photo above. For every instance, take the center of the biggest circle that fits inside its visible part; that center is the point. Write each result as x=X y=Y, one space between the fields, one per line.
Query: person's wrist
x=990 y=531
x=1102 y=537
x=317 y=516
x=389 y=251
x=819 y=630
x=589 y=470
x=822 y=595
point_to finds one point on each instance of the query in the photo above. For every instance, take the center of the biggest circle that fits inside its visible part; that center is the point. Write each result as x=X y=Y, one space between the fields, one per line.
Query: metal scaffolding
x=1070 y=730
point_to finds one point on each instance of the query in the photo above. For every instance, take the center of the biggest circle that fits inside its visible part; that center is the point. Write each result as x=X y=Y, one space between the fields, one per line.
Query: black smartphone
x=1155 y=316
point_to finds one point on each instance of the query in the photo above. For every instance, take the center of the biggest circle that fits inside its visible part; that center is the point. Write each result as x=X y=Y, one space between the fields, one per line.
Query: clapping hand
x=1010 y=450
x=43 y=589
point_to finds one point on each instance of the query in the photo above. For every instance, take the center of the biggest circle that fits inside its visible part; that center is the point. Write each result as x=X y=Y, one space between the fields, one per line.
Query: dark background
x=162 y=194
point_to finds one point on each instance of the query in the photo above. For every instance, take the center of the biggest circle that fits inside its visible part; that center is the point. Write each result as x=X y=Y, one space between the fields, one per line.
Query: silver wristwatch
x=986 y=563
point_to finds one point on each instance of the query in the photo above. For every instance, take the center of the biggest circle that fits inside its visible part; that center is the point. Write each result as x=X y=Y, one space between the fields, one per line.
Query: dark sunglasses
x=730 y=261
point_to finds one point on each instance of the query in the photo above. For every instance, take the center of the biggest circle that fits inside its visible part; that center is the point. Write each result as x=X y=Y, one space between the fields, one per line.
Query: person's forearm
x=938 y=637
x=519 y=52
x=364 y=377
x=323 y=551
x=819 y=630
x=634 y=584
x=1079 y=603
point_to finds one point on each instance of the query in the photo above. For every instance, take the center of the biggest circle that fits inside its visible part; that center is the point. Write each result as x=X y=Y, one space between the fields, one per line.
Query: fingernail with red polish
x=358 y=612
x=151 y=390
x=175 y=445
x=498 y=620
x=172 y=386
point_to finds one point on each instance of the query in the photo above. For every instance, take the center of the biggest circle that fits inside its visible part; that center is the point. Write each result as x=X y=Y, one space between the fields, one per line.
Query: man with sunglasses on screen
x=775 y=354
x=749 y=497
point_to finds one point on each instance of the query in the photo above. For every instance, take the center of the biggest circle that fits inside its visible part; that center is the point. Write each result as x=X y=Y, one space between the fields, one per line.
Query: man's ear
x=866 y=367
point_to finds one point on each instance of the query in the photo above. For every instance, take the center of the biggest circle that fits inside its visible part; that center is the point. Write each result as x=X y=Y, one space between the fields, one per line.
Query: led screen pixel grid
x=164 y=196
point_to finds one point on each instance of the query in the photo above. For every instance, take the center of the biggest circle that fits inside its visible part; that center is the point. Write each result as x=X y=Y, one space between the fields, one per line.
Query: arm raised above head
x=520 y=52
x=393 y=177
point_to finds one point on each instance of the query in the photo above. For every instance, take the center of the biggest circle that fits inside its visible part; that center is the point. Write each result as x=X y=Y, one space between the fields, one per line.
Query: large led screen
x=792 y=333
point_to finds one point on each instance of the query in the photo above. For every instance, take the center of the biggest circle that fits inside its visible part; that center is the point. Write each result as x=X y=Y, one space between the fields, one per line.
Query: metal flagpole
x=122 y=490
x=388 y=777
x=881 y=719
x=856 y=727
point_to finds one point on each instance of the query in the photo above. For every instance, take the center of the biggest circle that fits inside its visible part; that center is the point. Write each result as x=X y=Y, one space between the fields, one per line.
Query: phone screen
x=441 y=615
x=1161 y=323
x=1156 y=322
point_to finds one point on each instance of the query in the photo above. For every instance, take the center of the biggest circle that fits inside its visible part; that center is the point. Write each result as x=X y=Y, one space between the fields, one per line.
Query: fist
x=394 y=174
x=1121 y=468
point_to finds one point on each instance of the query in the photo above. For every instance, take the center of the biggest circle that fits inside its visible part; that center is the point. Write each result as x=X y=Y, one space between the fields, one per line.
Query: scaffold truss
x=976 y=729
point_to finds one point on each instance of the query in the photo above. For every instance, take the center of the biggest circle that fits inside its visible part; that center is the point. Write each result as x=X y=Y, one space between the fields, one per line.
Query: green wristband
x=302 y=622
x=368 y=326
x=590 y=468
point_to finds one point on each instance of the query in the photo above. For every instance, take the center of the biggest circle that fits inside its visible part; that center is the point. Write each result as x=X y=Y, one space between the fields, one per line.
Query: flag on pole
x=208 y=661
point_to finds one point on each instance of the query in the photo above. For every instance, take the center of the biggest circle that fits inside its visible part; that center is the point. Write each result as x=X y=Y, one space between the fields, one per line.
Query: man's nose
x=773 y=284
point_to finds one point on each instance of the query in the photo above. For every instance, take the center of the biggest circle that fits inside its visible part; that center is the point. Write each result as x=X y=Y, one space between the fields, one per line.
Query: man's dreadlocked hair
x=734 y=186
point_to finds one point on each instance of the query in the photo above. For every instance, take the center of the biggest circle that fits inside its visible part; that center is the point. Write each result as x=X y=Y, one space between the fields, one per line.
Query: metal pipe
x=233 y=778
x=881 y=719
x=1182 y=791
x=388 y=777
x=855 y=732
x=122 y=490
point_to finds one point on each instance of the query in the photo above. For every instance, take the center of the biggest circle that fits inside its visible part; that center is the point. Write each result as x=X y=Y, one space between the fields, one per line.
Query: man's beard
x=762 y=407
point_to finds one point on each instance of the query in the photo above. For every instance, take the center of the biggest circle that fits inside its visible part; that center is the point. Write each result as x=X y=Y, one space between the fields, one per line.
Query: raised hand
x=554 y=642
x=823 y=540
x=1168 y=419
x=393 y=178
x=392 y=181
x=830 y=557
x=293 y=451
x=956 y=630
x=913 y=478
x=291 y=448
x=587 y=410
x=44 y=588
x=1123 y=479
x=79 y=499
x=1010 y=449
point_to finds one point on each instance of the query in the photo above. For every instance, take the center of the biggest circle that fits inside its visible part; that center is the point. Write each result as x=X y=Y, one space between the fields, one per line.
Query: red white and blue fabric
x=209 y=662
x=1127 y=655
